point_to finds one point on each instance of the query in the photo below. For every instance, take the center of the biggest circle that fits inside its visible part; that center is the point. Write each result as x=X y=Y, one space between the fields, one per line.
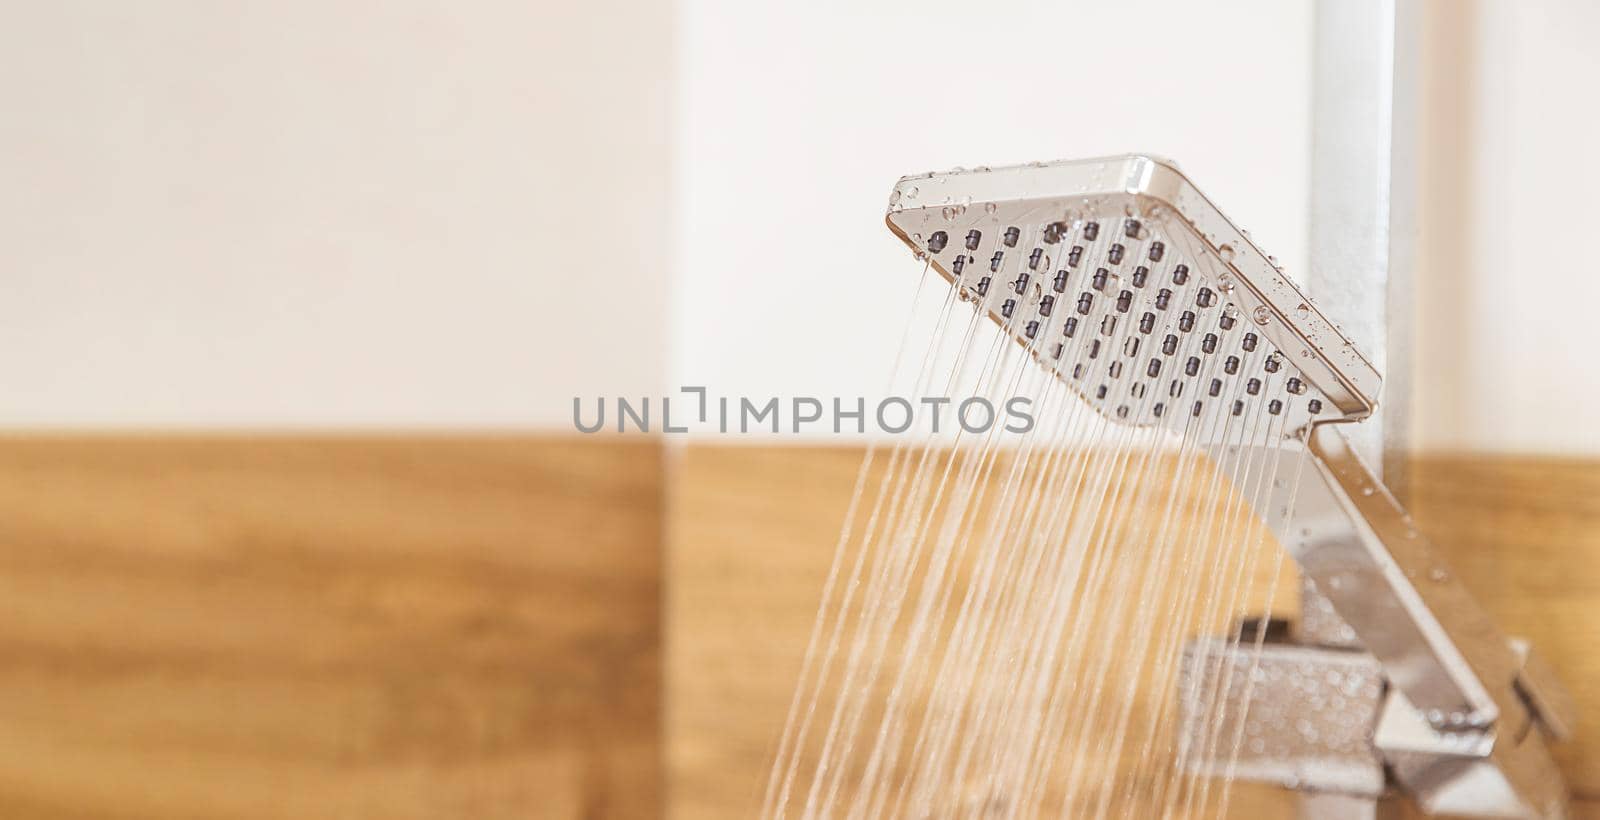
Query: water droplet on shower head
x=1226 y=252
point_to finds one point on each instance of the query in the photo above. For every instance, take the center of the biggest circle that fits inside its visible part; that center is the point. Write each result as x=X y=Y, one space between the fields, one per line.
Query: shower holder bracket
x=1325 y=721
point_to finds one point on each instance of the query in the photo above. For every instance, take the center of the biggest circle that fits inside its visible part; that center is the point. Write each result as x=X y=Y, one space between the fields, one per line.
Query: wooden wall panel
x=751 y=537
x=752 y=529
x=1524 y=534
x=417 y=627
x=469 y=627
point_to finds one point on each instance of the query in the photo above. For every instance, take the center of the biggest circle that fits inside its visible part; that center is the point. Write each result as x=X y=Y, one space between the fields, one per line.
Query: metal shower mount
x=1162 y=311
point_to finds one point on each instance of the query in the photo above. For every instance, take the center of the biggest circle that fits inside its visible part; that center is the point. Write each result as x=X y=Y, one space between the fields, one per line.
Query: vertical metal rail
x=1364 y=199
x=1363 y=230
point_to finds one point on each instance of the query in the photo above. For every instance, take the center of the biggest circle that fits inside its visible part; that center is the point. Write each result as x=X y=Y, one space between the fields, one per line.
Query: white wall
x=795 y=120
x=424 y=214
x=1509 y=287
x=330 y=214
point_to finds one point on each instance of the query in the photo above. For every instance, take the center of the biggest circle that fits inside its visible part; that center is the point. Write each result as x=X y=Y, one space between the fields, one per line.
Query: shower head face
x=1122 y=278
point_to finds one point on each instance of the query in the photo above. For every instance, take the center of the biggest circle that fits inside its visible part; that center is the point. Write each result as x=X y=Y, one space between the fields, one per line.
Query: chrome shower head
x=1128 y=284
x=1120 y=276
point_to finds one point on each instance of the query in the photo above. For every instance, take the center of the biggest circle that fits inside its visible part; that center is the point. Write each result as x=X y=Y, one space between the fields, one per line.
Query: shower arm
x=1464 y=724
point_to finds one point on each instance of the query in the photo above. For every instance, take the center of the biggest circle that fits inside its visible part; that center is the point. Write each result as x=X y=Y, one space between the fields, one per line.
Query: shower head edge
x=1154 y=188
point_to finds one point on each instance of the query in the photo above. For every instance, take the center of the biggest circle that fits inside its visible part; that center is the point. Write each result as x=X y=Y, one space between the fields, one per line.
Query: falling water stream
x=1002 y=629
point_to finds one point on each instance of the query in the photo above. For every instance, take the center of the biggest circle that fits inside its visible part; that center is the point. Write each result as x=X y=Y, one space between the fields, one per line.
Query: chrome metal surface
x=1152 y=191
x=1323 y=721
x=1362 y=231
x=1384 y=578
x=1319 y=624
x=1503 y=772
x=1464 y=729
x=1363 y=222
x=1469 y=729
x=1304 y=717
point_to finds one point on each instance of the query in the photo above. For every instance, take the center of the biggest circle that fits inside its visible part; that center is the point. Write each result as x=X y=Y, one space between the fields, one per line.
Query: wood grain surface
x=752 y=534
x=296 y=627
x=1524 y=534
x=447 y=626
x=751 y=537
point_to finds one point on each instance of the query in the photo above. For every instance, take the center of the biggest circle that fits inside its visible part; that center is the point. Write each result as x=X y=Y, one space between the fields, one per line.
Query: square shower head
x=1119 y=275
